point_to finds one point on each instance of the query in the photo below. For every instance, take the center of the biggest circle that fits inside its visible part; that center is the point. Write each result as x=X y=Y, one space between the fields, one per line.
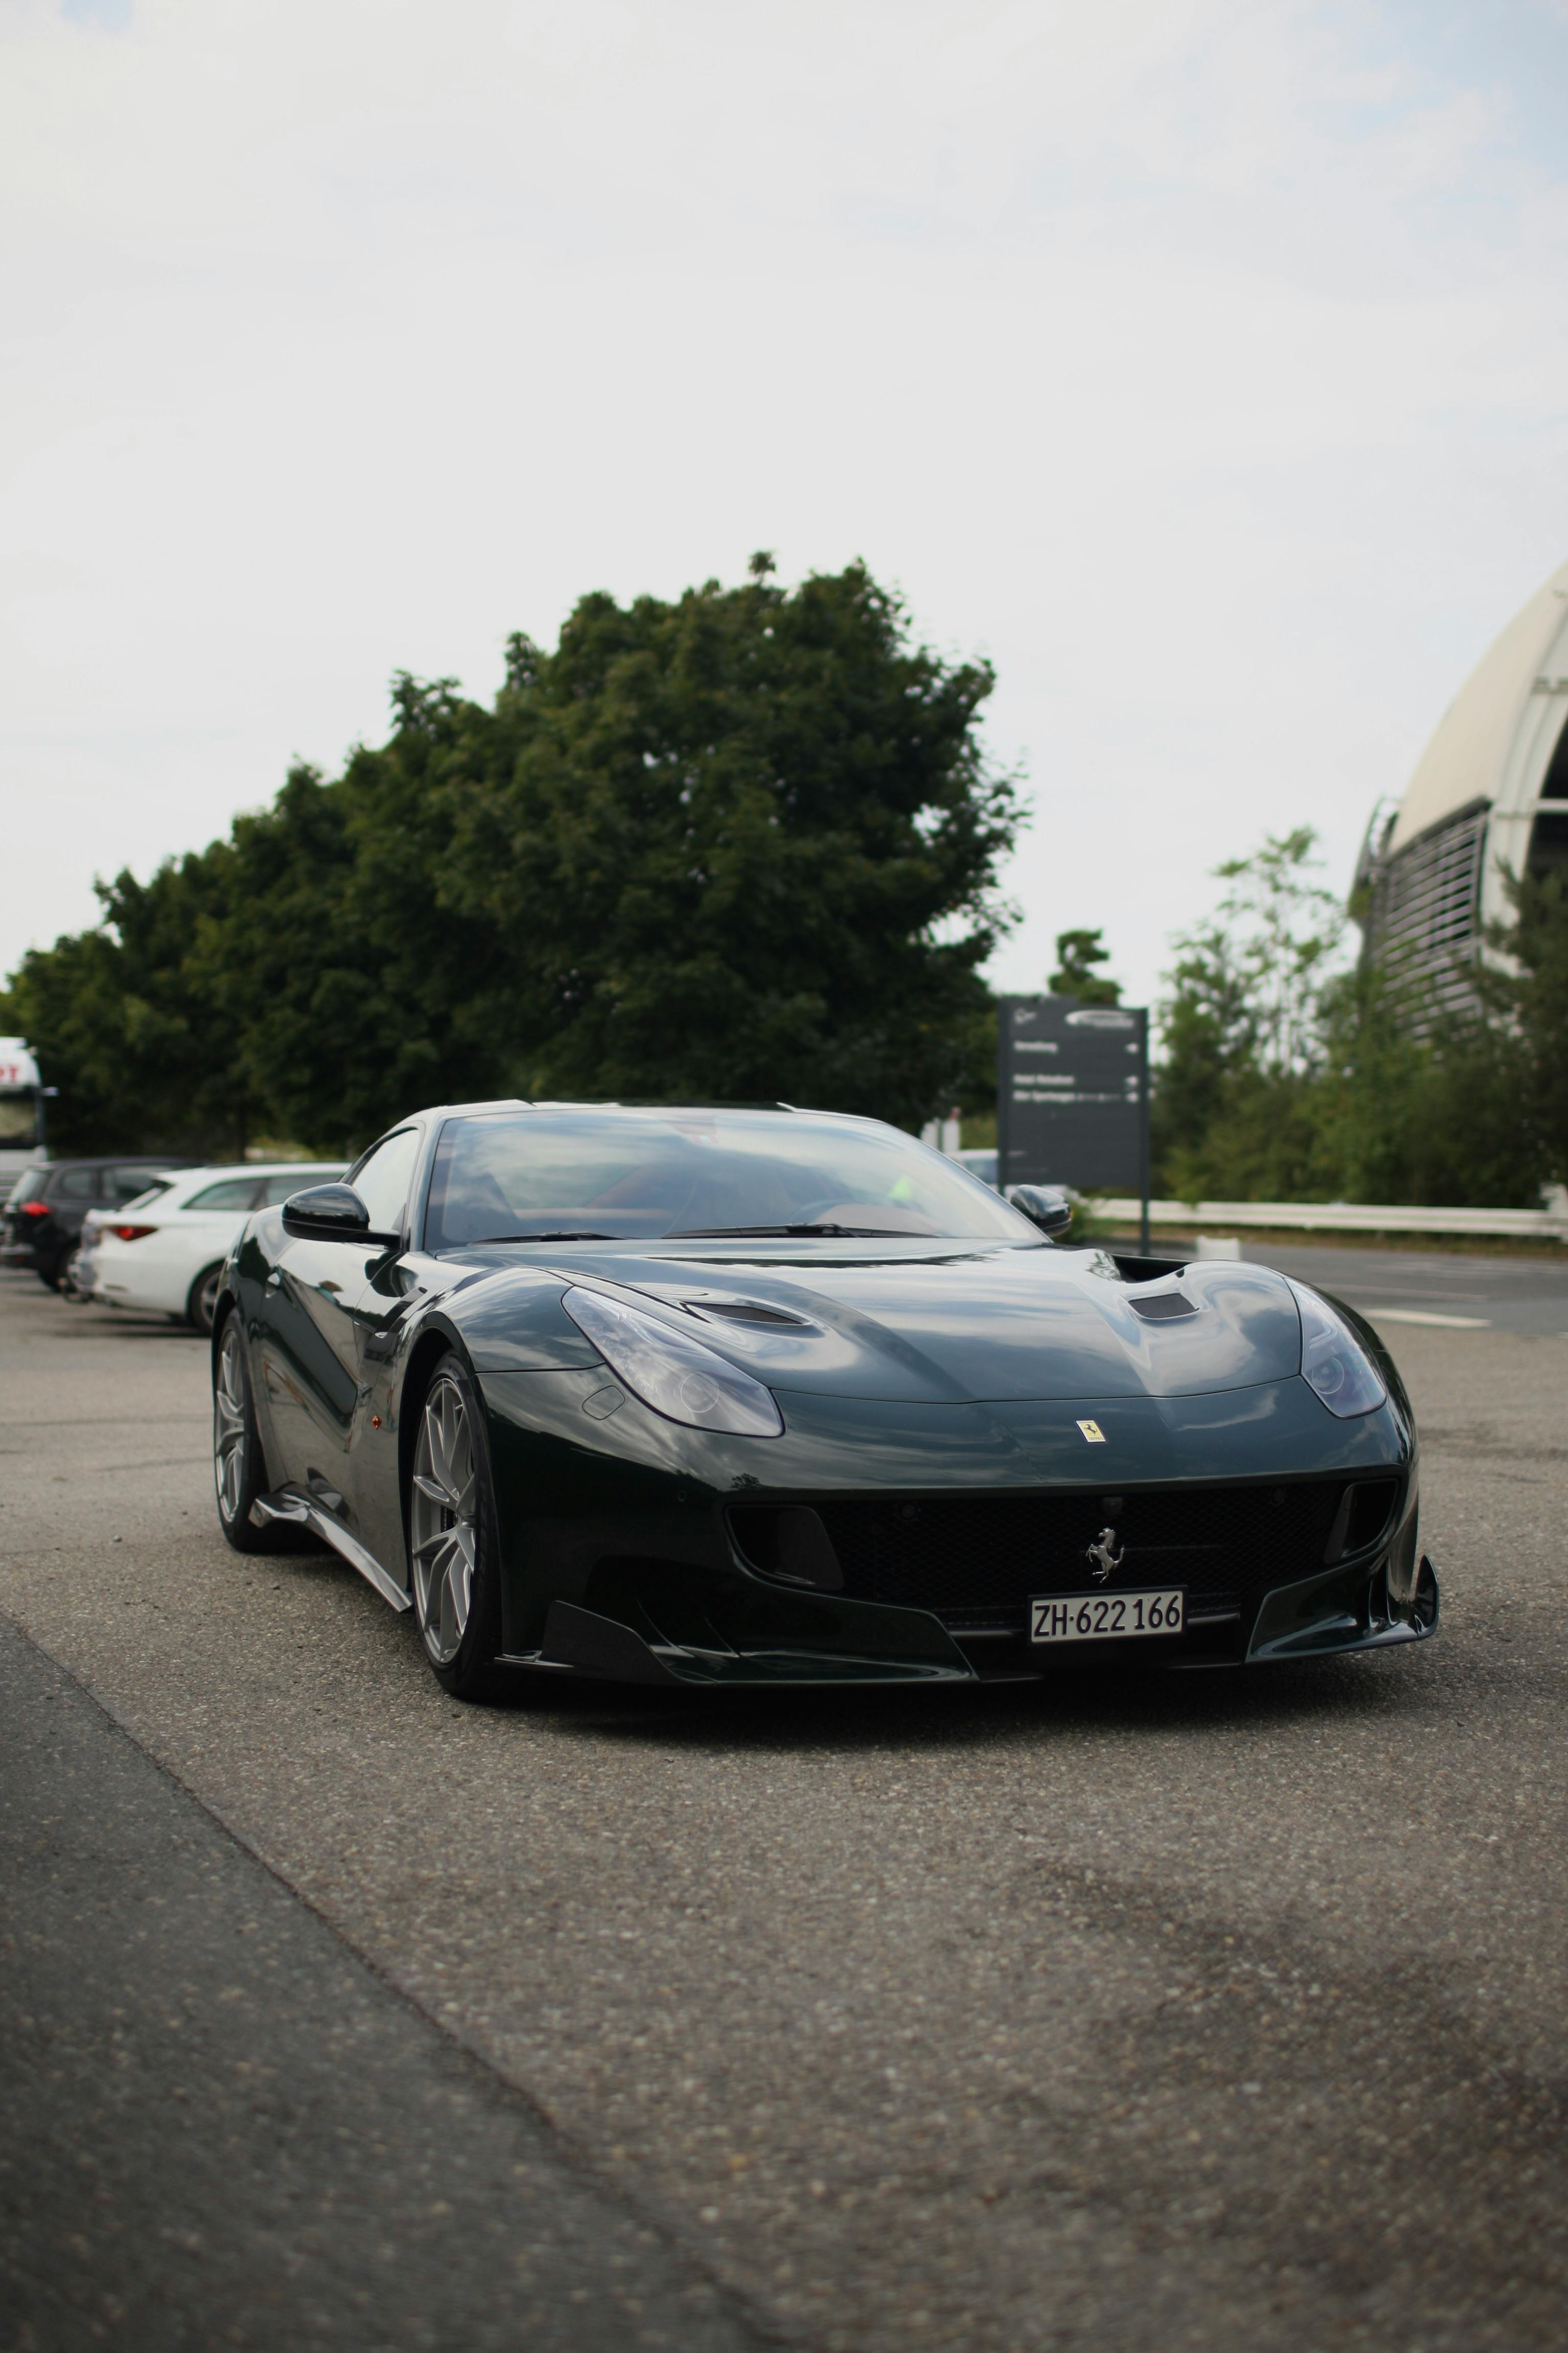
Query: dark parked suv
x=43 y=1216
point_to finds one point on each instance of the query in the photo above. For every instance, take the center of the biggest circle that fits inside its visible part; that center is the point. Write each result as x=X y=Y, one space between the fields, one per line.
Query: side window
x=382 y=1179
x=77 y=1184
x=124 y=1184
x=231 y=1193
x=287 y=1182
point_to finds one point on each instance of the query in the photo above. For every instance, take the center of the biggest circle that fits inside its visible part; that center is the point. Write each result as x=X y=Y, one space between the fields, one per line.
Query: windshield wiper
x=485 y=1240
x=793 y=1233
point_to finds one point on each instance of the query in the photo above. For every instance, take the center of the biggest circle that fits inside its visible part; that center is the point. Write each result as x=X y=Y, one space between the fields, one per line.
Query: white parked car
x=165 y=1252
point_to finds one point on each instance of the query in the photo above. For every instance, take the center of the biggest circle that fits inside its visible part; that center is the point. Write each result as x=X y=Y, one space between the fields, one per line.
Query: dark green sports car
x=717 y=1397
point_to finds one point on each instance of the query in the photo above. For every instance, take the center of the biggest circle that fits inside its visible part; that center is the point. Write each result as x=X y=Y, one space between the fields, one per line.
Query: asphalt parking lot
x=1433 y=1290
x=1210 y=2011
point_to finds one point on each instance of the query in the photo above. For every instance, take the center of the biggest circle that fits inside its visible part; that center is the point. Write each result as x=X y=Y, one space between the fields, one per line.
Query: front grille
x=976 y=1561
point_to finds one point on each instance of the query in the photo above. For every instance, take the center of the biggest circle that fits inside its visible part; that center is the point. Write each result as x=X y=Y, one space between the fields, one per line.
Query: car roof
x=49 y=1169
x=112 y=1160
x=214 y=1169
x=633 y=1106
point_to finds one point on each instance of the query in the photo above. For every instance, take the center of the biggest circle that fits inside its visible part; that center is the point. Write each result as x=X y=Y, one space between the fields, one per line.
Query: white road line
x=1419 y=1315
x=1455 y=1298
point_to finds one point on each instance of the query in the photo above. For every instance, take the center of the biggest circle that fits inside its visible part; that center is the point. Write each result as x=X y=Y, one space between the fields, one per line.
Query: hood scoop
x=1164 y=1307
x=744 y=1310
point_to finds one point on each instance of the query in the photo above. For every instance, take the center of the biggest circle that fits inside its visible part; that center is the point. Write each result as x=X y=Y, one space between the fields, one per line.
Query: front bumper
x=622 y=1561
x=825 y=1642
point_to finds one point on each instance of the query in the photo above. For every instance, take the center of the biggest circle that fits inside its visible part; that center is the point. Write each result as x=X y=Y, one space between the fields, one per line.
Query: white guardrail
x=1343 y=1216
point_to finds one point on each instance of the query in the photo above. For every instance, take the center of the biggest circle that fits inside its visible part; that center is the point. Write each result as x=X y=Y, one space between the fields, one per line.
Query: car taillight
x=130 y=1233
x=34 y=1208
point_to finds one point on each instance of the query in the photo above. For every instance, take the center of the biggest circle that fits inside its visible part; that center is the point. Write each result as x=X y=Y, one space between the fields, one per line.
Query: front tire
x=453 y=1544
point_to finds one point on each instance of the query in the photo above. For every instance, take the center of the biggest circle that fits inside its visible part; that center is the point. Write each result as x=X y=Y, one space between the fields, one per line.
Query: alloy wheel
x=445 y=1512
x=229 y=1422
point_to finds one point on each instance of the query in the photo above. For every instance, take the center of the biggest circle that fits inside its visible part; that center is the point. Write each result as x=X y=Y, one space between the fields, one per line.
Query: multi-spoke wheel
x=449 y=1524
x=239 y=1467
x=231 y=1425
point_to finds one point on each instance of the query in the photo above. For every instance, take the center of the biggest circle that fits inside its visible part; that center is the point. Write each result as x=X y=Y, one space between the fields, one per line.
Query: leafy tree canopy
x=1289 y=1074
x=1077 y=955
x=139 y=1050
x=741 y=844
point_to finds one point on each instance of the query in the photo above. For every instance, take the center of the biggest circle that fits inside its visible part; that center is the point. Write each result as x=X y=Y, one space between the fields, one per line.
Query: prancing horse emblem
x=1105 y=1554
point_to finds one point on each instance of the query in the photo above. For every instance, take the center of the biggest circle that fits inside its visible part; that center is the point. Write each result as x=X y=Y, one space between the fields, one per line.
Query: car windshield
x=624 y=1175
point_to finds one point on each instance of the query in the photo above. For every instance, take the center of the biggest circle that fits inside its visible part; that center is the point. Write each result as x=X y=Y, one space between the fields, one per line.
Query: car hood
x=960 y=1324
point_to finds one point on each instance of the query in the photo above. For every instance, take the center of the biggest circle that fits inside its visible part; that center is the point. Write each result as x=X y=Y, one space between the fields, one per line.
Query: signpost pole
x=1144 y=1132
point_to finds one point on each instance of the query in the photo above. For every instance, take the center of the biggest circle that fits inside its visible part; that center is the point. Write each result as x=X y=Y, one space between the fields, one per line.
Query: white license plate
x=1106 y=1617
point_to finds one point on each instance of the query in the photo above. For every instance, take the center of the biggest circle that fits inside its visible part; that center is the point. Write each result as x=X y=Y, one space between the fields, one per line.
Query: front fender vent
x=788 y=1541
x=1362 y=1516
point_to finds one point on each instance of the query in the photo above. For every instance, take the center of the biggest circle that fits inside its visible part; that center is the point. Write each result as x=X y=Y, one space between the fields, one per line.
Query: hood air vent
x=742 y=1311
x=1164 y=1307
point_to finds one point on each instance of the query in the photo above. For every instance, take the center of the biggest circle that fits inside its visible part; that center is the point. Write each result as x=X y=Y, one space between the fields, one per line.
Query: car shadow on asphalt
x=966 y=1717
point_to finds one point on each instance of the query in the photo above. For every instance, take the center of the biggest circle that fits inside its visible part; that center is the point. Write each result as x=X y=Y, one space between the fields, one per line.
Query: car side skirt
x=301 y=1509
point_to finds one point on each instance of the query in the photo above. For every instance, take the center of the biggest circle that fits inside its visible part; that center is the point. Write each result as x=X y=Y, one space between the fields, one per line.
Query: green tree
x=1420 y=1102
x=1078 y=955
x=741 y=844
x=356 y=990
x=1523 y=990
x=125 y=1026
x=1235 y=1110
x=1288 y=1076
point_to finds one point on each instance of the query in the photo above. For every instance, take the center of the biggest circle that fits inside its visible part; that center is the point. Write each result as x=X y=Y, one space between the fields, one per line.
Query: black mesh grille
x=976 y=1560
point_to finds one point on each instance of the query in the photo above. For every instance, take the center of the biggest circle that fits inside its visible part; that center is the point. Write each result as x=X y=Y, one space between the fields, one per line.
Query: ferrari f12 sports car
x=772 y=1396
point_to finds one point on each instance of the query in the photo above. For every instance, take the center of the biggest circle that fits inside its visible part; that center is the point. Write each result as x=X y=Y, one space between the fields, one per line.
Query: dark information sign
x=1072 y=1094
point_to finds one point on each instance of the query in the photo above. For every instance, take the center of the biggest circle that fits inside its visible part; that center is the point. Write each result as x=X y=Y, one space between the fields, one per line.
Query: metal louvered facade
x=1423 y=922
x=1488 y=801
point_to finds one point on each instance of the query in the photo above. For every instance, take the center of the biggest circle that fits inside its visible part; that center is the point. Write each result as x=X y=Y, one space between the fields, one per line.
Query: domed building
x=1489 y=798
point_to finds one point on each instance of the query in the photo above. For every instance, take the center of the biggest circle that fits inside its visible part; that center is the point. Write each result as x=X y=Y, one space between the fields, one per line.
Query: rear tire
x=49 y=1273
x=453 y=1539
x=201 y=1302
x=239 y=1466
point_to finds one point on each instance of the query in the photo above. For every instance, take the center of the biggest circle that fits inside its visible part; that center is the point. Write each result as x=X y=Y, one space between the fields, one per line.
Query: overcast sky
x=1203 y=364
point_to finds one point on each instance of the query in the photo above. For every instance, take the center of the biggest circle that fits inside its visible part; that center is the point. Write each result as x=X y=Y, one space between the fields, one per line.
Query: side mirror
x=1046 y=1206
x=333 y=1213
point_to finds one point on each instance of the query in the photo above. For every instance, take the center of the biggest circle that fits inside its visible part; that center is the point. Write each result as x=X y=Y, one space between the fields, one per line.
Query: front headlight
x=678 y=1377
x=1334 y=1362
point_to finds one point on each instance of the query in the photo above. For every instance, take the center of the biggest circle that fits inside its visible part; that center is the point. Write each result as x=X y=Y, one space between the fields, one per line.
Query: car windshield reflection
x=632 y=1175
